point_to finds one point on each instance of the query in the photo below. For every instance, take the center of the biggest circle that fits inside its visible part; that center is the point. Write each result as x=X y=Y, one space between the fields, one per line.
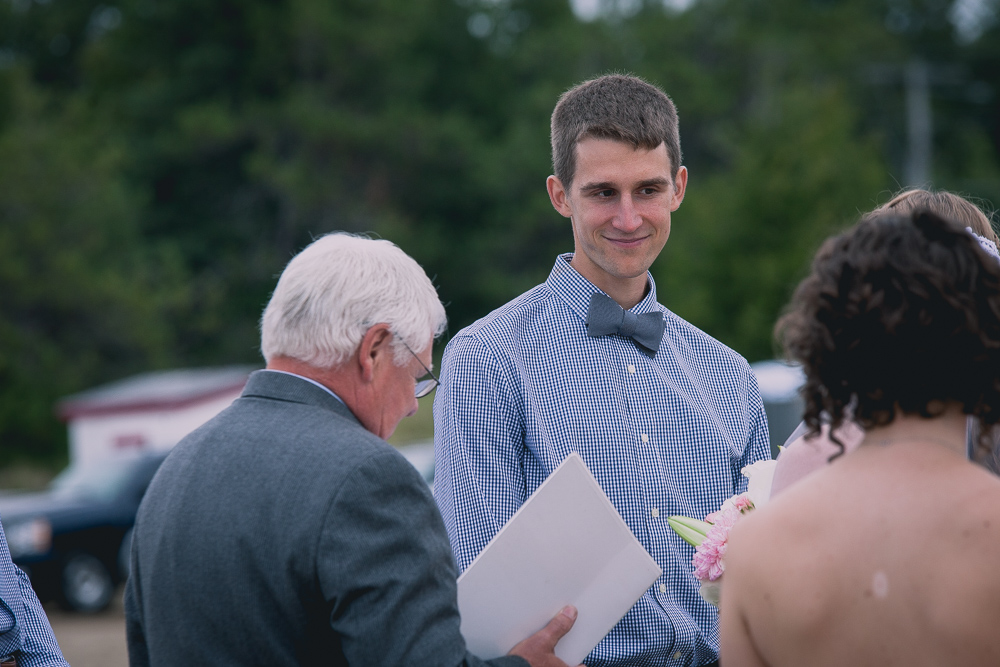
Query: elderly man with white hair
x=286 y=531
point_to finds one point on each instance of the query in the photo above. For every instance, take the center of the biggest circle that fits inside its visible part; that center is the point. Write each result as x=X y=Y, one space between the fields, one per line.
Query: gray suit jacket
x=283 y=533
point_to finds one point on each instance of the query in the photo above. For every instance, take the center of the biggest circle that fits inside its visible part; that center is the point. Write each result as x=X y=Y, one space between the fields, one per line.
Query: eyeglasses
x=426 y=385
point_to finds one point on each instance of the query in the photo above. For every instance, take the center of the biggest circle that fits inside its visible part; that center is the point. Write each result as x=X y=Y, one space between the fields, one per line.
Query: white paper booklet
x=566 y=545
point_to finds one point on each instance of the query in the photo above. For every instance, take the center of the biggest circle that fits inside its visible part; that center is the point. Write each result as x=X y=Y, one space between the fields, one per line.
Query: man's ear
x=558 y=196
x=680 y=186
x=375 y=345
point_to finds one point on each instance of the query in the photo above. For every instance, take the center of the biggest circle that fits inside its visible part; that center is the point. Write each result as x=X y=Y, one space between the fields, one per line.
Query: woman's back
x=890 y=556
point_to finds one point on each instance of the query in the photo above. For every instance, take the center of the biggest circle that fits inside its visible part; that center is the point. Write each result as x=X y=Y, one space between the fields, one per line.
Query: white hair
x=337 y=288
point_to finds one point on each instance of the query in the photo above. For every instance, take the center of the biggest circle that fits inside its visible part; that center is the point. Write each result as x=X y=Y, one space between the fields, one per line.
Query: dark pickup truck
x=73 y=539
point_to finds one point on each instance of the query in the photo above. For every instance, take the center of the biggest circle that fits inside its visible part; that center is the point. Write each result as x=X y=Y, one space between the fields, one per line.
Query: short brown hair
x=901 y=312
x=615 y=106
x=947 y=205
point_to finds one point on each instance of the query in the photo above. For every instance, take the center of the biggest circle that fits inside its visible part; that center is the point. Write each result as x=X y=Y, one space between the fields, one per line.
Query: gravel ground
x=96 y=640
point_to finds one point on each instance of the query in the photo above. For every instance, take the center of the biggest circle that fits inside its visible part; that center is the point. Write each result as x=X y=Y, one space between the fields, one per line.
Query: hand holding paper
x=567 y=545
x=538 y=649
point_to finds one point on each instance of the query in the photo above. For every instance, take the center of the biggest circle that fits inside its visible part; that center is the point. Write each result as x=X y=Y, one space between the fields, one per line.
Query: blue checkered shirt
x=24 y=628
x=524 y=386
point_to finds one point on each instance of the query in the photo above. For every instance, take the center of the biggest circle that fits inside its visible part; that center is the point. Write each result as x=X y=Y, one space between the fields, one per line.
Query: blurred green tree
x=82 y=298
x=203 y=142
x=778 y=153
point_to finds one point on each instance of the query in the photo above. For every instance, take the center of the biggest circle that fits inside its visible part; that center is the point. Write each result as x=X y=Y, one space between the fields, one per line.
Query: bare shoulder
x=792 y=514
x=974 y=514
x=760 y=540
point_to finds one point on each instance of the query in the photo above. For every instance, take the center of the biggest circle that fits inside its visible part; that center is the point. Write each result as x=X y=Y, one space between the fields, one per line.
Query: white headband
x=988 y=245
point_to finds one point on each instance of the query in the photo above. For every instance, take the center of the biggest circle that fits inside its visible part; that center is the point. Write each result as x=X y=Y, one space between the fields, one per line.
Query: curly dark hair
x=900 y=313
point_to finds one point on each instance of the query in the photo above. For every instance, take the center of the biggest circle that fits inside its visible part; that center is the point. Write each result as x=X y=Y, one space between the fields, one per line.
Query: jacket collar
x=279 y=386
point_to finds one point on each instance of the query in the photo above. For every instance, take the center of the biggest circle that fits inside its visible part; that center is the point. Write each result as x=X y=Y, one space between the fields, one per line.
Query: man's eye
x=604 y=194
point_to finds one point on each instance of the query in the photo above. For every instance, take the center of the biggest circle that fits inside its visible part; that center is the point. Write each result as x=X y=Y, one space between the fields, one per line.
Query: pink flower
x=711 y=536
x=743 y=503
x=708 y=555
x=708 y=559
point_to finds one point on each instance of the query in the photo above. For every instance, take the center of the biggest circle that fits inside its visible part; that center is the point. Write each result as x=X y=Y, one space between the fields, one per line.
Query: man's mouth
x=627 y=242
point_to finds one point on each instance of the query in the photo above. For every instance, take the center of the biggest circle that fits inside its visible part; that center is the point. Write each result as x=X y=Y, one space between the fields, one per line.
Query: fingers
x=557 y=627
x=539 y=648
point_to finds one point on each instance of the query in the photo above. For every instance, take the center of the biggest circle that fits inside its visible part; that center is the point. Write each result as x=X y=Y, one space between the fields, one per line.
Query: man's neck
x=324 y=377
x=626 y=292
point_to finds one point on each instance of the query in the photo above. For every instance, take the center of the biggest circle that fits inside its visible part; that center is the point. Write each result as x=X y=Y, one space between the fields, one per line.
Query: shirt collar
x=303 y=377
x=567 y=283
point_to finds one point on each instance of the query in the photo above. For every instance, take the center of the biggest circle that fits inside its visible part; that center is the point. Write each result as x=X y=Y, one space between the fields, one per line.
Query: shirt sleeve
x=38 y=643
x=759 y=442
x=384 y=565
x=479 y=480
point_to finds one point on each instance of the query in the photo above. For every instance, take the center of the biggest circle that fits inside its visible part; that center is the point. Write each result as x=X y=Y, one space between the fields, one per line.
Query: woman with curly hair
x=803 y=454
x=887 y=556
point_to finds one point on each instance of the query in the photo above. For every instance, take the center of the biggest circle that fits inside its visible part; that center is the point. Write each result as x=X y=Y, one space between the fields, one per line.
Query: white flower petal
x=711 y=591
x=760 y=475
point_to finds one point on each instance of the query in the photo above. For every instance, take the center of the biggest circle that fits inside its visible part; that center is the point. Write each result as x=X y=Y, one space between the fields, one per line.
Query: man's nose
x=627 y=218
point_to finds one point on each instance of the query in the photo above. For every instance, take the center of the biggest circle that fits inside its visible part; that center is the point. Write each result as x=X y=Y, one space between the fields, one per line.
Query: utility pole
x=919 y=125
x=917 y=77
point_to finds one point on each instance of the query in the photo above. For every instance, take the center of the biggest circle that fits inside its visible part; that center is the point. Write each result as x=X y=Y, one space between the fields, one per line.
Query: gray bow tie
x=606 y=317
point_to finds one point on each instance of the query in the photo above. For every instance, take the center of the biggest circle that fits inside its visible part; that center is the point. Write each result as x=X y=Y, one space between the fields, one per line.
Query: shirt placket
x=648 y=506
x=646 y=409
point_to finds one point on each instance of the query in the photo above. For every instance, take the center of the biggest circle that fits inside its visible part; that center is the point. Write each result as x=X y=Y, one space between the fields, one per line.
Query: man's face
x=619 y=203
x=396 y=389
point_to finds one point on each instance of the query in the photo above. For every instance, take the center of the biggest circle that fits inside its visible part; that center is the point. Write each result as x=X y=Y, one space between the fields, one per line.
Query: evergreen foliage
x=161 y=160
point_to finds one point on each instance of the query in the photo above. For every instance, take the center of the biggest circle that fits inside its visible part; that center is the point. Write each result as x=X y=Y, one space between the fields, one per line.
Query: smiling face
x=619 y=203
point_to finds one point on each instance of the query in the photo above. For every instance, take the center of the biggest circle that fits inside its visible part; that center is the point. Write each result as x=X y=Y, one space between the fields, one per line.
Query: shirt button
x=644 y=437
x=631 y=369
x=656 y=512
x=663 y=588
x=678 y=655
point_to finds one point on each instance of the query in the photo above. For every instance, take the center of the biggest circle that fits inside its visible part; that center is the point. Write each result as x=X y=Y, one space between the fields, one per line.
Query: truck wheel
x=86 y=584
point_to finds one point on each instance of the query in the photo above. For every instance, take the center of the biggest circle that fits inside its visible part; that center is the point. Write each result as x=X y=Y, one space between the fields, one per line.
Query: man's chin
x=627 y=270
x=614 y=266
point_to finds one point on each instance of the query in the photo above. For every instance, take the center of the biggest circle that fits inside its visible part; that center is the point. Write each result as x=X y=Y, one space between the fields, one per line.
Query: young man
x=664 y=416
